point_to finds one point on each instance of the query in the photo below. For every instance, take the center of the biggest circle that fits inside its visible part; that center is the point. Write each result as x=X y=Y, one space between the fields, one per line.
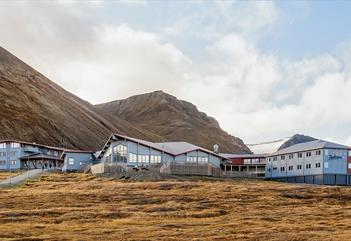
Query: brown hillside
x=174 y=120
x=35 y=109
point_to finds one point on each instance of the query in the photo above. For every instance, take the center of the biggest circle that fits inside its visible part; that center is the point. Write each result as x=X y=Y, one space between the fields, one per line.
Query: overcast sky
x=264 y=70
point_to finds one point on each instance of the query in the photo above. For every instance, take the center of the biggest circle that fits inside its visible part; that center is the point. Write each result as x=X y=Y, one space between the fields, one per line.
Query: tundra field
x=82 y=207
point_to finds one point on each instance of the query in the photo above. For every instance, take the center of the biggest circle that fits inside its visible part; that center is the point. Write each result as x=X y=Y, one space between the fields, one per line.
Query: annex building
x=243 y=165
x=314 y=162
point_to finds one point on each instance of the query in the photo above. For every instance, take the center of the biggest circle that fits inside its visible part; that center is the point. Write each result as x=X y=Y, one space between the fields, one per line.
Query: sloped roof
x=267 y=147
x=311 y=145
x=177 y=147
x=32 y=144
x=172 y=148
x=228 y=155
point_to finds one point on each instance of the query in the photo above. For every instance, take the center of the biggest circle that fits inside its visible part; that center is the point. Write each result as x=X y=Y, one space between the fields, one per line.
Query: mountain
x=34 y=109
x=296 y=139
x=174 y=120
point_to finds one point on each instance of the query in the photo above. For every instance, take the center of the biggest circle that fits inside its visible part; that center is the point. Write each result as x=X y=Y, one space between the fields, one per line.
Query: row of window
x=144 y=158
x=12 y=153
x=299 y=155
x=13 y=145
x=298 y=167
x=3 y=163
x=194 y=159
x=121 y=152
x=254 y=161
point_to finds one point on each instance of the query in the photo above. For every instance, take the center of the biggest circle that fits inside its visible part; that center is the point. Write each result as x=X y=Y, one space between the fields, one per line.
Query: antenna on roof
x=63 y=143
x=216 y=148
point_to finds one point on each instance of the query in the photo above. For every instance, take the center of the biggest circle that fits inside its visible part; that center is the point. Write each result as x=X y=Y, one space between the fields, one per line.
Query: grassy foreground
x=81 y=207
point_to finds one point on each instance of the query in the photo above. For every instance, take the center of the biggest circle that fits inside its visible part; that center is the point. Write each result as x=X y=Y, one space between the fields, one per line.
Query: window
x=191 y=159
x=275 y=168
x=143 y=158
x=282 y=169
x=13 y=163
x=56 y=153
x=269 y=170
x=121 y=152
x=318 y=165
x=291 y=168
x=13 y=153
x=275 y=158
x=70 y=161
x=291 y=156
x=2 y=154
x=308 y=166
x=108 y=155
x=318 y=153
x=326 y=165
x=81 y=163
x=299 y=155
x=2 y=145
x=299 y=167
x=2 y=163
x=15 y=145
x=308 y=154
x=282 y=157
x=155 y=159
x=349 y=165
x=247 y=161
x=132 y=157
x=203 y=159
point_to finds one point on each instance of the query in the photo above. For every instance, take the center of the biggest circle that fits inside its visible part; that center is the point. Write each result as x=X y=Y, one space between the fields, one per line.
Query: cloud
x=85 y=56
x=254 y=94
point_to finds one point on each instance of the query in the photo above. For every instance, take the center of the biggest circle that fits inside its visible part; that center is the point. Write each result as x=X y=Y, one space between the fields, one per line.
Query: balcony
x=30 y=149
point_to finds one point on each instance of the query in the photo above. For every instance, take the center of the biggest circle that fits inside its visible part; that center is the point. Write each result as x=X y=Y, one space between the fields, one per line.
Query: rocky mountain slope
x=296 y=139
x=35 y=109
x=174 y=120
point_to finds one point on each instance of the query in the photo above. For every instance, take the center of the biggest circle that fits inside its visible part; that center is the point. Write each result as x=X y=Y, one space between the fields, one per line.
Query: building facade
x=170 y=157
x=315 y=162
x=77 y=160
x=17 y=154
x=244 y=165
x=24 y=155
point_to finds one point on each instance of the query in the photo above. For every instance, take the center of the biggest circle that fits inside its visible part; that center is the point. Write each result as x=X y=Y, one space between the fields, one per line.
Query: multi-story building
x=25 y=155
x=171 y=157
x=243 y=165
x=18 y=154
x=315 y=162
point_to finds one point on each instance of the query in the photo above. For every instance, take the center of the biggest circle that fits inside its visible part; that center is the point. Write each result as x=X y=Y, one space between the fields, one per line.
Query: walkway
x=21 y=178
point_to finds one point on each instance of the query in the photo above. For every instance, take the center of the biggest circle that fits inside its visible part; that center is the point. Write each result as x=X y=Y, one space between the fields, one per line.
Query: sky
x=265 y=70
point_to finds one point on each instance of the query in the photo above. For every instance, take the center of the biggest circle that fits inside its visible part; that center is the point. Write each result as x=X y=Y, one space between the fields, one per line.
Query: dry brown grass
x=6 y=174
x=80 y=207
